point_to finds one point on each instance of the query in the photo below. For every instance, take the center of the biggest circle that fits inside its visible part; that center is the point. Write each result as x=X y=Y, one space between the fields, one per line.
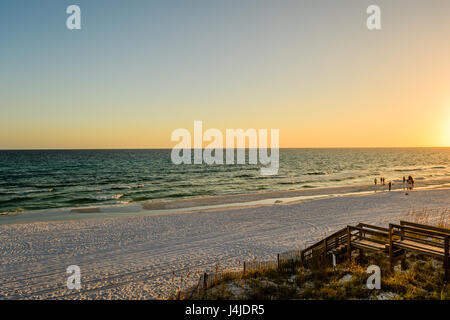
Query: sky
x=138 y=70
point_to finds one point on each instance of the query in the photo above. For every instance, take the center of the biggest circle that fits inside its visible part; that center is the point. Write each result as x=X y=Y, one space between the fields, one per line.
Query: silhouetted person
x=390 y=185
x=410 y=182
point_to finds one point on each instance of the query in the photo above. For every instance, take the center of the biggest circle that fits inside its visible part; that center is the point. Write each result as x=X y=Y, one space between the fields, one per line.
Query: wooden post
x=446 y=252
x=278 y=261
x=361 y=235
x=244 y=267
x=361 y=254
x=391 y=249
x=349 y=244
x=402 y=231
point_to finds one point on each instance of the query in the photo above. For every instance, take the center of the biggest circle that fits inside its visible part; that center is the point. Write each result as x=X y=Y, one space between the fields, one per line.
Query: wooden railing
x=325 y=247
x=428 y=240
x=424 y=226
x=363 y=236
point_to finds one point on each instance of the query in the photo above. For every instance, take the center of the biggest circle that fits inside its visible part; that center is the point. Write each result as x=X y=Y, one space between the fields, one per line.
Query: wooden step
x=370 y=245
x=419 y=247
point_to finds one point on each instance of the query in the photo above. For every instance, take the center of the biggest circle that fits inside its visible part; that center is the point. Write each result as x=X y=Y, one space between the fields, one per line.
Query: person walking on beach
x=411 y=182
x=375 y=181
x=390 y=185
x=407 y=185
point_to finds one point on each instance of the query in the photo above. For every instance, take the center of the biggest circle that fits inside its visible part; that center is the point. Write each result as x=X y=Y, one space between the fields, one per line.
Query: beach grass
x=423 y=279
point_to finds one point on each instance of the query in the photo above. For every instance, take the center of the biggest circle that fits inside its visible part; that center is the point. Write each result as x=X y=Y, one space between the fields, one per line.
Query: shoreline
x=207 y=203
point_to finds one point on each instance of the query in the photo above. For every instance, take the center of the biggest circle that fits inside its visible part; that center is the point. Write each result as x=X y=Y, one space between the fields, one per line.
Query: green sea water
x=42 y=179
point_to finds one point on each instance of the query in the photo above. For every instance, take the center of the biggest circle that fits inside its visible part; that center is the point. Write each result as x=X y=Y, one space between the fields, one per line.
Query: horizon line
x=106 y=149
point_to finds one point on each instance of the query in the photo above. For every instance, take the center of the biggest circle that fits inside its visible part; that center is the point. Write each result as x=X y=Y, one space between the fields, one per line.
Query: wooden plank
x=382 y=242
x=438 y=244
x=391 y=248
x=371 y=232
x=365 y=225
x=424 y=226
x=419 y=247
x=369 y=244
x=419 y=231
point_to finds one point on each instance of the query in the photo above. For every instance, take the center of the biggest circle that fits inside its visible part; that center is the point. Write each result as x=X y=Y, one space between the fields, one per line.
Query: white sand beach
x=147 y=256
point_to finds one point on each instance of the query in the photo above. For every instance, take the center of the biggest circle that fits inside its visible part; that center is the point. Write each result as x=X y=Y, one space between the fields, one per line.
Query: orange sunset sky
x=134 y=73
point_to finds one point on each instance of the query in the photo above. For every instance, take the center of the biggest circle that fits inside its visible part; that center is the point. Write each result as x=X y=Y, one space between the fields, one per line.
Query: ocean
x=44 y=179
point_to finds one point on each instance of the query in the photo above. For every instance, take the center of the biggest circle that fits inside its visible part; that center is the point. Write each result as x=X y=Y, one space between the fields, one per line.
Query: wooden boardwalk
x=395 y=241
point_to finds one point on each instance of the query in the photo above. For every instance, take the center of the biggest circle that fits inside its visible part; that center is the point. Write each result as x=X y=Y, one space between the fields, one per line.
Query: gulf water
x=42 y=179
